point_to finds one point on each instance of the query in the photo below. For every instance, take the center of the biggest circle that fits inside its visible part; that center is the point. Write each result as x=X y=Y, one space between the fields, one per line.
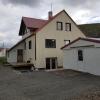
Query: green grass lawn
x=3 y=60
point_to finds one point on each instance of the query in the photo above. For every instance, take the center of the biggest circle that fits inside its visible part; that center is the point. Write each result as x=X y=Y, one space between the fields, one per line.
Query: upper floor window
x=50 y=43
x=67 y=26
x=59 y=26
x=80 y=55
x=66 y=41
x=30 y=44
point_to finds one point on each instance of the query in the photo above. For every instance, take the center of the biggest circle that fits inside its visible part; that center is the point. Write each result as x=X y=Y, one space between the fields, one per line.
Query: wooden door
x=48 y=63
x=19 y=55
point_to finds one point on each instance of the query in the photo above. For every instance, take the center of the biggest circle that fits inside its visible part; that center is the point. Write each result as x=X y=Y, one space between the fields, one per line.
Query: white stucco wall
x=90 y=63
x=50 y=32
x=30 y=53
x=3 y=53
x=12 y=55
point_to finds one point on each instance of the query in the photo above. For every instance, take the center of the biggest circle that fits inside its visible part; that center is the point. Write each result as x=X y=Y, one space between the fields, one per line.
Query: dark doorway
x=19 y=55
x=47 y=63
x=51 y=63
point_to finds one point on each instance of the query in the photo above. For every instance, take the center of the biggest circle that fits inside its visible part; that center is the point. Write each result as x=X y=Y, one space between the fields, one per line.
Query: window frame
x=30 y=44
x=61 y=28
x=65 y=41
x=66 y=29
x=80 y=55
x=47 y=44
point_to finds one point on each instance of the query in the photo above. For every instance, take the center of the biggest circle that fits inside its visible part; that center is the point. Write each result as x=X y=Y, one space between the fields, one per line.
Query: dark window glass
x=50 y=43
x=67 y=26
x=59 y=26
x=80 y=55
x=30 y=45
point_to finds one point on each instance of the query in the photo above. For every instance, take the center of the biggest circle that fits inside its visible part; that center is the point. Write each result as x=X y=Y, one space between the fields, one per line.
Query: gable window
x=50 y=43
x=30 y=44
x=66 y=42
x=80 y=55
x=67 y=26
x=59 y=26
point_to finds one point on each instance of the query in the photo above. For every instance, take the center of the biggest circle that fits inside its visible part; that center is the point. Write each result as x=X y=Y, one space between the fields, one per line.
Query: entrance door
x=80 y=63
x=51 y=63
x=48 y=63
x=19 y=55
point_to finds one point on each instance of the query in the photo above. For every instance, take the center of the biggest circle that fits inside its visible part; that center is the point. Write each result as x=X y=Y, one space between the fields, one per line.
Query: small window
x=50 y=43
x=59 y=26
x=67 y=26
x=30 y=45
x=80 y=55
x=66 y=41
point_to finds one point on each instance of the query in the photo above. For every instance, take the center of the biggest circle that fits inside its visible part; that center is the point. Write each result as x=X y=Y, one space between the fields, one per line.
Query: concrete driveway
x=41 y=85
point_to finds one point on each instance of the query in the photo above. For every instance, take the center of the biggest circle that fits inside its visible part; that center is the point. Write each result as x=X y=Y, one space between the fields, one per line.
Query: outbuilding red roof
x=80 y=38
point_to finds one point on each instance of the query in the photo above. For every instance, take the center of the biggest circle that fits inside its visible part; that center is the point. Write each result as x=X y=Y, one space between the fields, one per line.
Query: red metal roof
x=86 y=39
x=33 y=22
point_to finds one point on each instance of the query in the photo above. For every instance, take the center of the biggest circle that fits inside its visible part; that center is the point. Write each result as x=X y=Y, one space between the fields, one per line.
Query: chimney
x=50 y=15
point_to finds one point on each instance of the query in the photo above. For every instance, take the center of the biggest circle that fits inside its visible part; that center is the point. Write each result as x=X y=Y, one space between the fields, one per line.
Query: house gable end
x=60 y=14
x=22 y=28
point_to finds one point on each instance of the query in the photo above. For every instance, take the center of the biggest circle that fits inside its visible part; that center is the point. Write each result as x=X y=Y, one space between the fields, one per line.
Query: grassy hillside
x=91 y=30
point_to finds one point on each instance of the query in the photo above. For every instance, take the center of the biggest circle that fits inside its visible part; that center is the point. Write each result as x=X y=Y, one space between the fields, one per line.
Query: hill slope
x=91 y=30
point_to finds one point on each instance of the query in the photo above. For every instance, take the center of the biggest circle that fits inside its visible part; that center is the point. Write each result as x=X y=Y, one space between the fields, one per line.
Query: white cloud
x=11 y=12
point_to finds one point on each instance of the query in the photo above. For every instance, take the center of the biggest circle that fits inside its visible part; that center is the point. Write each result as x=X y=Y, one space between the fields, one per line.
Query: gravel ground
x=41 y=85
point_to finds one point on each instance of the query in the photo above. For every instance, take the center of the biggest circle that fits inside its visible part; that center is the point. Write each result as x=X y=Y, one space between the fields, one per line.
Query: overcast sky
x=11 y=12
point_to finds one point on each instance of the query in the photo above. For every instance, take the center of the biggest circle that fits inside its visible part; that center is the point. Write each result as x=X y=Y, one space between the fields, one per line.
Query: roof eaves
x=70 y=43
x=80 y=38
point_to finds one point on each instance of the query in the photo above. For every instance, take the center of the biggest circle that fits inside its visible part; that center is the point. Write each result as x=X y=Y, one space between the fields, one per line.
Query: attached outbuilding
x=82 y=54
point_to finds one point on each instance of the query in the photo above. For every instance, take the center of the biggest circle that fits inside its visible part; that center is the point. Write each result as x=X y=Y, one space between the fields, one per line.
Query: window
x=59 y=26
x=67 y=26
x=50 y=43
x=30 y=45
x=66 y=41
x=80 y=55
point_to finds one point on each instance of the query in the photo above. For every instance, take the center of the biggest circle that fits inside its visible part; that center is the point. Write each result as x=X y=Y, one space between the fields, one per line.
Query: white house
x=3 y=52
x=42 y=40
x=82 y=54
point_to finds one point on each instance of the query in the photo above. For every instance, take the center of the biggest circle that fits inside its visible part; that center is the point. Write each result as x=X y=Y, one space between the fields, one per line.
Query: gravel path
x=58 y=85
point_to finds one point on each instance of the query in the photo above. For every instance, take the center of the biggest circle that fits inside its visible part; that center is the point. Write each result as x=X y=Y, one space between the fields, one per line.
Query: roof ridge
x=34 y=18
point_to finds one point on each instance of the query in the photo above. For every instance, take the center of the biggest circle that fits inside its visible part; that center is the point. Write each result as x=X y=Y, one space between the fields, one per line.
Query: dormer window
x=67 y=26
x=59 y=25
x=27 y=31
